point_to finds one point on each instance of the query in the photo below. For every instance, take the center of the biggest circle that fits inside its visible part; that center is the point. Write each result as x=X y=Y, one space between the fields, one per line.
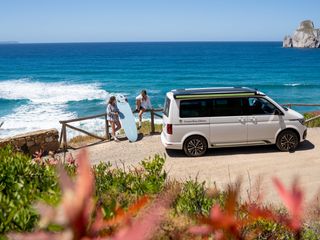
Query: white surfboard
x=127 y=118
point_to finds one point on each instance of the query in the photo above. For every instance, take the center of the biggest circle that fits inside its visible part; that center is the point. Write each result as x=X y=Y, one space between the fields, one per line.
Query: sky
x=42 y=21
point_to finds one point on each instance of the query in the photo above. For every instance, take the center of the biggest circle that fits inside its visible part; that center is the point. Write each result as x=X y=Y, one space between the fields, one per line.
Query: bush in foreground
x=21 y=183
x=156 y=209
x=116 y=187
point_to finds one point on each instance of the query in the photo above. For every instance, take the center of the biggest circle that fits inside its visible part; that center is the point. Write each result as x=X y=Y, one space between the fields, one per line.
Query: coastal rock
x=306 y=36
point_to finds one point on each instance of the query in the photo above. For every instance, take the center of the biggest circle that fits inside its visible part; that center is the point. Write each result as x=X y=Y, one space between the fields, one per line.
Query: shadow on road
x=304 y=146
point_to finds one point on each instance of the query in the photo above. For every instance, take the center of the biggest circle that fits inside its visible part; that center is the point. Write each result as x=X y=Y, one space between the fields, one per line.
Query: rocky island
x=306 y=36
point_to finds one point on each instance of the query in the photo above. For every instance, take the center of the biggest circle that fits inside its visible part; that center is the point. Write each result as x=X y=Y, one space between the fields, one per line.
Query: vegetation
x=119 y=188
x=146 y=128
x=22 y=182
x=316 y=122
x=136 y=203
x=195 y=199
x=82 y=140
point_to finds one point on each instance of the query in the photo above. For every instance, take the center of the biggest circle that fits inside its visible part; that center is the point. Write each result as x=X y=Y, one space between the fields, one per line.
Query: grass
x=82 y=140
x=315 y=123
x=146 y=128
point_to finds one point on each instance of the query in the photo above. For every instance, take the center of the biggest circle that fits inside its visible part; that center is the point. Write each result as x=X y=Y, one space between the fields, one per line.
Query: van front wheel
x=195 y=146
x=287 y=141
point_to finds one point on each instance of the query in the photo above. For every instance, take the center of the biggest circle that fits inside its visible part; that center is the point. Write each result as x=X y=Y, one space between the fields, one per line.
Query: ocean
x=41 y=84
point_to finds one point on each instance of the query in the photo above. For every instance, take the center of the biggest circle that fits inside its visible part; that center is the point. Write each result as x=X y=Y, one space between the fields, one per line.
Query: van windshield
x=166 y=108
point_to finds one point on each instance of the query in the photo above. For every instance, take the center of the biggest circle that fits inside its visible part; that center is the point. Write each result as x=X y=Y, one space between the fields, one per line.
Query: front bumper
x=305 y=133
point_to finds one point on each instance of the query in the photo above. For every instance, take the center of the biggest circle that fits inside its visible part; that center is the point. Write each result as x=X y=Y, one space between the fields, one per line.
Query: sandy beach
x=222 y=166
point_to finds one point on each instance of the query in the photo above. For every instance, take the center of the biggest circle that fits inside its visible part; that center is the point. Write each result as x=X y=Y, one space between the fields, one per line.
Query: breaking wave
x=46 y=104
x=53 y=93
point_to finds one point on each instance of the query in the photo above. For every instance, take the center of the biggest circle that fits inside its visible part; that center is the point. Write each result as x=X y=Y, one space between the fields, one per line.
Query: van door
x=228 y=124
x=263 y=122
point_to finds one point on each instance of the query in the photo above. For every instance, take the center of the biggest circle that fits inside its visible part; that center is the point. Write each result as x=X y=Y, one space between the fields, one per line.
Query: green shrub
x=154 y=176
x=266 y=229
x=311 y=232
x=21 y=183
x=194 y=199
x=116 y=187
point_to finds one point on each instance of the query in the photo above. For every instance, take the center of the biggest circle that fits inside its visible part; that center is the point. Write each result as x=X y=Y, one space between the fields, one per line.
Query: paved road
x=222 y=166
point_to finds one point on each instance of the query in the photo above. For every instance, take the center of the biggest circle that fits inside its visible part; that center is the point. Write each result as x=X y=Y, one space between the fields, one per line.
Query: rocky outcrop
x=45 y=140
x=306 y=36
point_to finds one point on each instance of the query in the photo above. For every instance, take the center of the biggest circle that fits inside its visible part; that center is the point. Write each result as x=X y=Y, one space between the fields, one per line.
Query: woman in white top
x=142 y=104
x=113 y=117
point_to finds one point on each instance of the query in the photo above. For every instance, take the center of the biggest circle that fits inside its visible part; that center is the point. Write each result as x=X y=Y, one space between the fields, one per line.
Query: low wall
x=46 y=140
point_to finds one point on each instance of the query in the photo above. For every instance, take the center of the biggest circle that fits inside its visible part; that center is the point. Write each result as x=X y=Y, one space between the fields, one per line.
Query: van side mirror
x=277 y=112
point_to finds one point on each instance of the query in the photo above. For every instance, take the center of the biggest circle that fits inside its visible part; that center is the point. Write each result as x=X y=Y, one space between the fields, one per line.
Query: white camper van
x=197 y=119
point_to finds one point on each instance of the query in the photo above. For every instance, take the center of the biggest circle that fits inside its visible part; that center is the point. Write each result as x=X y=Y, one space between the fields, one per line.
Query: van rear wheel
x=287 y=141
x=195 y=146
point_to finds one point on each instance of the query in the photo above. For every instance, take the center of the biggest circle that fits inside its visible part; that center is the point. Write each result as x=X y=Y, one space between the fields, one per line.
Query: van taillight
x=169 y=129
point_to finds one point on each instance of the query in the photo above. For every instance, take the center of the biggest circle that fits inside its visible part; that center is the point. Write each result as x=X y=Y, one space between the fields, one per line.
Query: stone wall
x=46 y=140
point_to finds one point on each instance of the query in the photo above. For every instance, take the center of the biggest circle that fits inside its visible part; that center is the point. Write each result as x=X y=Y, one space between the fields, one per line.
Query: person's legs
x=142 y=110
x=138 y=104
x=113 y=128
x=118 y=126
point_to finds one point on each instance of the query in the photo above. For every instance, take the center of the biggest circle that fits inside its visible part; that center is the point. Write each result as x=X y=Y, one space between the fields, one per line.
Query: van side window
x=261 y=106
x=166 y=108
x=195 y=108
x=228 y=107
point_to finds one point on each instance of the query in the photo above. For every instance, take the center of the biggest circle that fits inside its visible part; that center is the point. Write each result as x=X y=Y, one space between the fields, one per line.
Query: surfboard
x=127 y=119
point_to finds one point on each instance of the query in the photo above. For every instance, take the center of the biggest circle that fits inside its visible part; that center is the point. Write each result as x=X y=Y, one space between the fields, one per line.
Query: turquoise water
x=41 y=84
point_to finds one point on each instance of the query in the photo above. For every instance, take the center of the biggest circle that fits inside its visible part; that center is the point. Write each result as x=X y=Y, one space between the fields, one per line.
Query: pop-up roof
x=188 y=93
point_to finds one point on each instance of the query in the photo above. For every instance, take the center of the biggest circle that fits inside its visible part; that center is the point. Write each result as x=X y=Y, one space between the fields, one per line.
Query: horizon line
x=166 y=41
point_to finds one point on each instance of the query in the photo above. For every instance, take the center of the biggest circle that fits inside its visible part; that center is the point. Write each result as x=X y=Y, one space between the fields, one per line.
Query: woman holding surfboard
x=113 y=117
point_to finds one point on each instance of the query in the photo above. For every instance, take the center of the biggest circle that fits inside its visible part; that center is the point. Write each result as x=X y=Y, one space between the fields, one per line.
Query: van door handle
x=253 y=119
x=242 y=120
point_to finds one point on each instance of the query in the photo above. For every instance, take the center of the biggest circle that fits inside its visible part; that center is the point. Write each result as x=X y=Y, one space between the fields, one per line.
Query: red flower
x=220 y=221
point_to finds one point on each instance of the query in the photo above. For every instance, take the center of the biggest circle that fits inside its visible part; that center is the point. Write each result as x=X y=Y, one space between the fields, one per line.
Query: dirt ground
x=255 y=165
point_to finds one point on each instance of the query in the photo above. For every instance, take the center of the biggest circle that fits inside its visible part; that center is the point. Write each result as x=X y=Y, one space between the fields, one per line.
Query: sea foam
x=47 y=104
x=53 y=93
x=292 y=84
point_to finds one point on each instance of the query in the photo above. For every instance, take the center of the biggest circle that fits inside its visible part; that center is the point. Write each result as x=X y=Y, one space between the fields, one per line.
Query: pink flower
x=293 y=201
x=77 y=199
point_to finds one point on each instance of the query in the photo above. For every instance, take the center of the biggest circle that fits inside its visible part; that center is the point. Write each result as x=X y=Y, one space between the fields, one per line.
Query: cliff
x=306 y=36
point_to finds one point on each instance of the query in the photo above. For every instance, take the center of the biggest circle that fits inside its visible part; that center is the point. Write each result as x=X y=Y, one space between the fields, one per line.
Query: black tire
x=287 y=141
x=195 y=146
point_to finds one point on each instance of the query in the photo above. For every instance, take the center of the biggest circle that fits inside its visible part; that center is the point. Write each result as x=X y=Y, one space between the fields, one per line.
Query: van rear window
x=166 y=108
x=195 y=108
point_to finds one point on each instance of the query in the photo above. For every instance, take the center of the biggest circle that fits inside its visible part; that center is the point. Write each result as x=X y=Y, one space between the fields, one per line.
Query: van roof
x=214 y=92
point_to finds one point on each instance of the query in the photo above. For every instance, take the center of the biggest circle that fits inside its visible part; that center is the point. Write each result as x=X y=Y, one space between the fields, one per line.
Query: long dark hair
x=112 y=99
x=144 y=92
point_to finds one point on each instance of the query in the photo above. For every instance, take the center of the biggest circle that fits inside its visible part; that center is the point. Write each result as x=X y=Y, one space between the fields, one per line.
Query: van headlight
x=302 y=121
